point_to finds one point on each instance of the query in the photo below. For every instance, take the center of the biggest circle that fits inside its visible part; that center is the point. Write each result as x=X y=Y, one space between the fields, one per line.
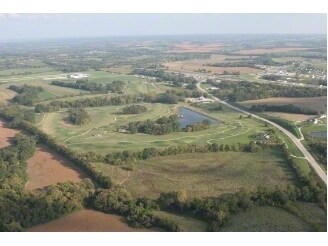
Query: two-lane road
x=295 y=140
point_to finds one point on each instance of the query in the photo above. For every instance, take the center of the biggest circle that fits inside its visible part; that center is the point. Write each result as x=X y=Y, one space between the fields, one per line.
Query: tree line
x=101 y=101
x=244 y=90
x=116 y=86
x=288 y=108
x=125 y=158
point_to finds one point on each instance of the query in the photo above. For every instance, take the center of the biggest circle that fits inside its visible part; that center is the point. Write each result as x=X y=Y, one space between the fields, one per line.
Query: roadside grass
x=203 y=174
x=266 y=219
x=186 y=223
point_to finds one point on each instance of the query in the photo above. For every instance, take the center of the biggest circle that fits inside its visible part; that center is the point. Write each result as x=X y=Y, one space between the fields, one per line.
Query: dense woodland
x=243 y=91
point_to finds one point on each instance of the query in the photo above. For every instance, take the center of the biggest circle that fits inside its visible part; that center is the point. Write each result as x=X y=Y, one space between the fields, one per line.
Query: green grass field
x=186 y=223
x=203 y=174
x=265 y=219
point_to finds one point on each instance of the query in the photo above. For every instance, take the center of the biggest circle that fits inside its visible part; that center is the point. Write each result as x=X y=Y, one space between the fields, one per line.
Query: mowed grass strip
x=203 y=174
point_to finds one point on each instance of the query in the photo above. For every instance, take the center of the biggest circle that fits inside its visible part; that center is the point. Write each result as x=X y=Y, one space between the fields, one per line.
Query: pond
x=322 y=134
x=189 y=117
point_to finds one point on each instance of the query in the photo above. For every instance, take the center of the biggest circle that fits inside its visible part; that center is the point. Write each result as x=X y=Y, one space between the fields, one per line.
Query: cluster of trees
x=161 y=126
x=116 y=86
x=183 y=93
x=271 y=77
x=290 y=126
x=134 y=109
x=176 y=79
x=15 y=113
x=27 y=95
x=79 y=116
x=205 y=124
x=107 y=101
x=21 y=209
x=288 y=108
x=119 y=201
x=244 y=90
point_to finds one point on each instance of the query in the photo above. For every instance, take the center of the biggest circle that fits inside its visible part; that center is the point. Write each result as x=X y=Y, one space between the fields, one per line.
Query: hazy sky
x=36 y=26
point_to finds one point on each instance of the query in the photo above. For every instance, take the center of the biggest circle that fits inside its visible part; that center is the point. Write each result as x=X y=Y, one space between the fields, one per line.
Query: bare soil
x=87 y=221
x=46 y=168
x=6 y=134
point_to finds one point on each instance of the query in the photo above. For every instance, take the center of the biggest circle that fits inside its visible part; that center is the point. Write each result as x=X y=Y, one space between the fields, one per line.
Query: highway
x=295 y=140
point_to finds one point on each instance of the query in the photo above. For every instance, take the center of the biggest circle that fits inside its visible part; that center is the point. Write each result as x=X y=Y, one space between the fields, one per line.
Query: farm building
x=77 y=76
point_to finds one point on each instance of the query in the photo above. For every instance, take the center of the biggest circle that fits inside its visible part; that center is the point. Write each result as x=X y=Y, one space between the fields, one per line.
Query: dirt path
x=43 y=118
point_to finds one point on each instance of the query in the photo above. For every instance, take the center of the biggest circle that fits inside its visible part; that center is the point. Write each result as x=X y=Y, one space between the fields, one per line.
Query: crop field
x=314 y=103
x=265 y=219
x=268 y=51
x=101 y=134
x=87 y=220
x=203 y=174
x=186 y=223
x=187 y=47
x=192 y=66
x=6 y=134
x=45 y=168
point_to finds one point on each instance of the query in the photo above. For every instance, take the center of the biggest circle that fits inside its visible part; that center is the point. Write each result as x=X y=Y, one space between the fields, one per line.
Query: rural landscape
x=186 y=133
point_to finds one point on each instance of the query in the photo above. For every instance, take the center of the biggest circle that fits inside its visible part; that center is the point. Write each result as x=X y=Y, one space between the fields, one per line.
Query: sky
x=45 y=26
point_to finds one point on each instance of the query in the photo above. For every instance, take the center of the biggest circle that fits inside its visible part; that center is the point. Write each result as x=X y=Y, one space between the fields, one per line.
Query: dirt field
x=46 y=168
x=187 y=47
x=6 y=134
x=193 y=65
x=314 y=103
x=267 y=51
x=291 y=117
x=86 y=221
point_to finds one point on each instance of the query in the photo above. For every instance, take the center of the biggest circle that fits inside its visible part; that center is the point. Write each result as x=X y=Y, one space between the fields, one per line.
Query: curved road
x=295 y=140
